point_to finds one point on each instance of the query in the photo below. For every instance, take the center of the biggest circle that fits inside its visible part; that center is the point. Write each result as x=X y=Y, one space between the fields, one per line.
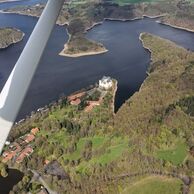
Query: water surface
x=126 y=61
x=6 y=184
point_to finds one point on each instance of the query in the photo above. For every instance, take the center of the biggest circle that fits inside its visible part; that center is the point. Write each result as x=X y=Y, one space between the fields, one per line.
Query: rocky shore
x=74 y=48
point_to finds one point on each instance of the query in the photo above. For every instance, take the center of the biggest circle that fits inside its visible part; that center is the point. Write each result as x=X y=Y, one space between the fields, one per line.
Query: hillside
x=160 y=115
x=149 y=142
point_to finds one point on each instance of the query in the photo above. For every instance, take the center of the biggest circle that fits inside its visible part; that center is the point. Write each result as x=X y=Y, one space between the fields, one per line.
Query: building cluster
x=105 y=84
x=20 y=148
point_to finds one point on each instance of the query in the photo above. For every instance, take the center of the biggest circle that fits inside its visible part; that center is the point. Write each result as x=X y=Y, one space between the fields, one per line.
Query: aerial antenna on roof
x=15 y=89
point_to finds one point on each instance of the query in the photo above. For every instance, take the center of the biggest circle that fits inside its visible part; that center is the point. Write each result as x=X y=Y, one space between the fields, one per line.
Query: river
x=6 y=184
x=126 y=61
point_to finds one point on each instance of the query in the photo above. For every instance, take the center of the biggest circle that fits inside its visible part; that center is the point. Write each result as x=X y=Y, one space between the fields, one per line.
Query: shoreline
x=82 y=54
x=107 y=19
x=136 y=18
x=150 y=51
x=100 y=23
x=7 y=1
x=30 y=15
x=150 y=62
x=175 y=26
x=66 y=44
x=114 y=96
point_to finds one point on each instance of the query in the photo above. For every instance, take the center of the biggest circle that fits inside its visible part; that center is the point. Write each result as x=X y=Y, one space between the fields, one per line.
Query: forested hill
x=161 y=113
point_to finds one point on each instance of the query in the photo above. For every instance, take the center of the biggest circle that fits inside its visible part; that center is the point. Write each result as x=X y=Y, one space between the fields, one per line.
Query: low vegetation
x=176 y=156
x=80 y=46
x=3 y=170
x=82 y=15
x=160 y=114
x=9 y=36
x=154 y=185
x=151 y=135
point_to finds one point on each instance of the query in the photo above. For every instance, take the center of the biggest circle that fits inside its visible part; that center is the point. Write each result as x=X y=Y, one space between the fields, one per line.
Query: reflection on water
x=126 y=61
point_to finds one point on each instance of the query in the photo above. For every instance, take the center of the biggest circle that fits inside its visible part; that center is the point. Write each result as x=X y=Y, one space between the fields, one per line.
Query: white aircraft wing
x=15 y=89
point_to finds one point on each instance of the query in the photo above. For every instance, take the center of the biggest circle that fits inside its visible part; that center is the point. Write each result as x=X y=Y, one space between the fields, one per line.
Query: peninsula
x=78 y=141
x=89 y=48
x=79 y=145
x=9 y=36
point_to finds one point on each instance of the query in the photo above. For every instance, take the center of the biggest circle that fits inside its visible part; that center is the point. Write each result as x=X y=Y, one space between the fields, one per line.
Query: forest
x=149 y=142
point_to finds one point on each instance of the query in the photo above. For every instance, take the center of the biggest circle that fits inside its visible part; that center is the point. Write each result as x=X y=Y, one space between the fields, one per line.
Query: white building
x=106 y=83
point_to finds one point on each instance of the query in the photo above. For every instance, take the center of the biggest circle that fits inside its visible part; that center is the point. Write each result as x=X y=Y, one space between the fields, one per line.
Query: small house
x=105 y=83
x=75 y=102
x=34 y=131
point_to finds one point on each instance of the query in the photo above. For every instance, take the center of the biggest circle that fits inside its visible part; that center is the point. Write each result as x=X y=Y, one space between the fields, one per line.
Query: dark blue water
x=126 y=61
x=6 y=184
x=20 y=3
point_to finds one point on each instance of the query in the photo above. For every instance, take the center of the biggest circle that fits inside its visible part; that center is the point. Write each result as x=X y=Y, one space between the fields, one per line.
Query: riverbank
x=115 y=87
x=78 y=46
x=65 y=53
x=175 y=26
x=9 y=36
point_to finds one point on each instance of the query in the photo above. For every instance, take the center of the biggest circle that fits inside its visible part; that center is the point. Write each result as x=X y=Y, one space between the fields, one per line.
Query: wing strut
x=14 y=91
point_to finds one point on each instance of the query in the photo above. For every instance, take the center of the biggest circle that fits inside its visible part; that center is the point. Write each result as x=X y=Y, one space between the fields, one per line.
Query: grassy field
x=191 y=189
x=97 y=141
x=155 y=185
x=175 y=156
x=107 y=150
x=113 y=152
x=124 y=2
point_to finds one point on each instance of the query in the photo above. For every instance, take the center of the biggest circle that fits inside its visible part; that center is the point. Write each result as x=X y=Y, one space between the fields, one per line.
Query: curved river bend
x=126 y=61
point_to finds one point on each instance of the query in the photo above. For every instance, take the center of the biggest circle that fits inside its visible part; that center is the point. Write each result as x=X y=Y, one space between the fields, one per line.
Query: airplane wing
x=15 y=89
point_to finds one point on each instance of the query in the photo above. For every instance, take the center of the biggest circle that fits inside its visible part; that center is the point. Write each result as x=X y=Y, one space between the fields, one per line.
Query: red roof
x=91 y=105
x=14 y=148
x=28 y=138
x=8 y=157
x=34 y=131
x=75 y=102
x=26 y=152
x=75 y=96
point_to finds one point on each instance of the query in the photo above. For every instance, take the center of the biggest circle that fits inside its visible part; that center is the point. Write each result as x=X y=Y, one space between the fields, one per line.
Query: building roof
x=75 y=102
x=26 y=152
x=91 y=105
x=8 y=157
x=14 y=148
x=75 y=96
x=29 y=138
x=34 y=131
